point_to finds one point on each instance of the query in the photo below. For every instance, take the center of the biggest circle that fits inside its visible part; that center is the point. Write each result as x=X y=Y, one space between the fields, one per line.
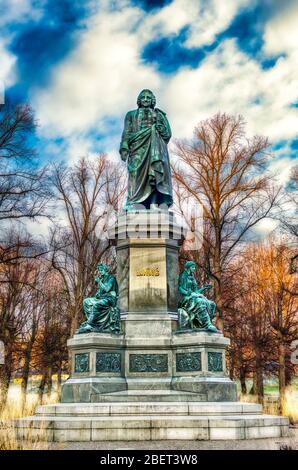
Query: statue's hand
x=124 y=155
x=154 y=117
x=160 y=128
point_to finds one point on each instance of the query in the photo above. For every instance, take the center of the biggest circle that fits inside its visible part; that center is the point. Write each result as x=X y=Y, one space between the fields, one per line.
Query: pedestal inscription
x=148 y=363
x=145 y=288
x=188 y=362
x=81 y=363
x=108 y=362
x=215 y=362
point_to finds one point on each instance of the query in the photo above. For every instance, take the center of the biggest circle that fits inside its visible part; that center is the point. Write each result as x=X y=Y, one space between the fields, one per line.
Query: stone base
x=159 y=415
x=208 y=388
x=183 y=361
x=87 y=389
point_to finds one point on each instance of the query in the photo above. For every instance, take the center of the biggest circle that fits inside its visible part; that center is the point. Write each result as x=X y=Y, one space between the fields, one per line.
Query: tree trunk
x=25 y=377
x=242 y=381
x=254 y=384
x=217 y=287
x=77 y=296
x=282 y=376
x=217 y=272
x=69 y=361
x=5 y=377
x=259 y=379
x=74 y=321
x=26 y=368
x=42 y=385
x=49 y=381
x=231 y=364
x=59 y=379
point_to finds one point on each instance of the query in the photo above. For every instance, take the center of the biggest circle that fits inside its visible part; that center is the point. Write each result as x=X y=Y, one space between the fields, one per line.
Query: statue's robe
x=101 y=311
x=148 y=159
x=196 y=311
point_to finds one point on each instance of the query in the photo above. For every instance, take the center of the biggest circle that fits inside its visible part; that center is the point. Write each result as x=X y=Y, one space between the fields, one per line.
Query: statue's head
x=102 y=268
x=190 y=266
x=146 y=99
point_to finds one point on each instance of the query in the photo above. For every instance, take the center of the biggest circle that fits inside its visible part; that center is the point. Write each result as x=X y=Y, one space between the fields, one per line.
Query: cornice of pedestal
x=147 y=225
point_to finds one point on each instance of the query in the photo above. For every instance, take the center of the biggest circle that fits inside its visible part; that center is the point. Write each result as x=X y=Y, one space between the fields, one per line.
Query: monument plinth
x=151 y=352
x=148 y=363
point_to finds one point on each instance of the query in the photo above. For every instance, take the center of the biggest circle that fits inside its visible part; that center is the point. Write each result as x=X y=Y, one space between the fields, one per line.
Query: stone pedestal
x=186 y=362
x=152 y=381
x=147 y=245
x=97 y=366
x=151 y=353
x=200 y=366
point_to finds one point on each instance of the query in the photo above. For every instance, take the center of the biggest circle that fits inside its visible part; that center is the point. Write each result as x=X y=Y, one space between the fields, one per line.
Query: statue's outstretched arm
x=108 y=285
x=204 y=288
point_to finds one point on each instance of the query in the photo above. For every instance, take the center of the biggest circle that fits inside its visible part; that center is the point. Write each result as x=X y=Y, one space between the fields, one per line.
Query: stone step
x=148 y=395
x=147 y=427
x=149 y=408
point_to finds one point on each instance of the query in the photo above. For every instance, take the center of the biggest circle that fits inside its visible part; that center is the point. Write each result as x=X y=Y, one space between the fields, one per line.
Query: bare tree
x=49 y=353
x=32 y=313
x=289 y=219
x=224 y=172
x=24 y=192
x=16 y=280
x=88 y=195
x=263 y=317
x=283 y=307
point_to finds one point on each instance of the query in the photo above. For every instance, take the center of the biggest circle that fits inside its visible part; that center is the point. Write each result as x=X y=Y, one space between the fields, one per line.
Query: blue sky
x=82 y=64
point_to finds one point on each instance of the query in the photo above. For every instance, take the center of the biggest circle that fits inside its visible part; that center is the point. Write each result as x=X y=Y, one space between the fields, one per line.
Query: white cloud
x=281 y=31
x=103 y=74
x=7 y=69
x=169 y=19
x=213 y=17
x=14 y=11
x=228 y=80
x=20 y=11
x=281 y=167
x=100 y=78
x=204 y=19
x=266 y=226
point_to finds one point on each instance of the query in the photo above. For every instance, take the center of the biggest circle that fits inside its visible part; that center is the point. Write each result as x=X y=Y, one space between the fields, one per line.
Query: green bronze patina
x=144 y=147
x=82 y=363
x=195 y=310
x=188 y=362
x=215 y=361
x=101 y=311
x=108 y=362
x=148 y=362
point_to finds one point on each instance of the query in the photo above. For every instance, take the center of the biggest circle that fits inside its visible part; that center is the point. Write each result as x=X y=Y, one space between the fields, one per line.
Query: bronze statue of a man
x=144 y=147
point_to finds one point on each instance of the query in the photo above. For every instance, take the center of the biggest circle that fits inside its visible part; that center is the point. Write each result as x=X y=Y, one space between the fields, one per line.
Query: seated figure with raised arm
x=101 y=311
x=195 y=310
